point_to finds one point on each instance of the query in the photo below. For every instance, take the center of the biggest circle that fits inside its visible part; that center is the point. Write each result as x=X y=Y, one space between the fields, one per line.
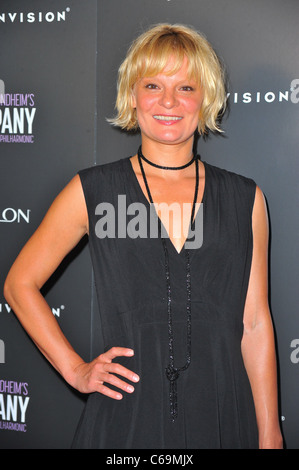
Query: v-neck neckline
x=147 y=202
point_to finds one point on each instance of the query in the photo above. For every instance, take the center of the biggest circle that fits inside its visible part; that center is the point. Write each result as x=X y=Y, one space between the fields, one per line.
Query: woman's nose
x=168 y=98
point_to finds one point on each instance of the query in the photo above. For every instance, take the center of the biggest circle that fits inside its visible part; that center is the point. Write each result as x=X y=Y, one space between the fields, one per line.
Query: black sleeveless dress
x=214 y=399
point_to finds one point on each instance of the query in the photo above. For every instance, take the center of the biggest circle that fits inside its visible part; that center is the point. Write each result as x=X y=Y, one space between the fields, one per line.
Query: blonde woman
x=189 y=359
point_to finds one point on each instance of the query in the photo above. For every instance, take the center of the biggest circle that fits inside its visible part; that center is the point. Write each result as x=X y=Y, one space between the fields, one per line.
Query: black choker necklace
x=172 y=372
x=140 y=154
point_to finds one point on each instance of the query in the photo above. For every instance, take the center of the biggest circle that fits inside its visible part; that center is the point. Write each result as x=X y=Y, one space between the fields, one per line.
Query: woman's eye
x=151 y=86
x=187 y=88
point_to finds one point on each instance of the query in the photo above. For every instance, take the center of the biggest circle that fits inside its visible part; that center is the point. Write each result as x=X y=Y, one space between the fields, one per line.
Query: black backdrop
x=58 y=68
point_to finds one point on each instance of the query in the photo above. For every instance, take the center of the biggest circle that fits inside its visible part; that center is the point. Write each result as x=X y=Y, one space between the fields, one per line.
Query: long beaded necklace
x=173 y=372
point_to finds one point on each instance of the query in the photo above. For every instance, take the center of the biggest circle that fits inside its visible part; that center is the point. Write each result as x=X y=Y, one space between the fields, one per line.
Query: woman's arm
x=258 y=346
x=64 y=225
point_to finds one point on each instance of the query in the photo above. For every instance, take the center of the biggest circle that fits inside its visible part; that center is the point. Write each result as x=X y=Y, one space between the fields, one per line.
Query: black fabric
x=215 y=404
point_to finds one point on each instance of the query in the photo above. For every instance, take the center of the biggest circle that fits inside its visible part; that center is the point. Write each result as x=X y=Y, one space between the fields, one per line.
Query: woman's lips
x=168 y=120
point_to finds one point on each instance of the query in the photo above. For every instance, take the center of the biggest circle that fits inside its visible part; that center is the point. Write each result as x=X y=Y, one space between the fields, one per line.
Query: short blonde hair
x=148 y=56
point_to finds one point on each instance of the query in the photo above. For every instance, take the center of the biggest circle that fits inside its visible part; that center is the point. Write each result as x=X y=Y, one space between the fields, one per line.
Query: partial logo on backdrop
x=295 y=351
x=290 y=94
x=5 y=308
x=34 y=17
x=2 y=352
x=17 y=115
x=14 y=395
x=57 y=311
x=11 y=215
x=14 y=401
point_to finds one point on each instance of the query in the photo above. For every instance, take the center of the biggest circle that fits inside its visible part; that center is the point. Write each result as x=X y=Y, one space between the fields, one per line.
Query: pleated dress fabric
x=214 y=399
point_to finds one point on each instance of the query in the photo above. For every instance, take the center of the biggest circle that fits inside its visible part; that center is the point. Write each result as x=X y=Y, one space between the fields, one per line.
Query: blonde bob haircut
x=148 y=56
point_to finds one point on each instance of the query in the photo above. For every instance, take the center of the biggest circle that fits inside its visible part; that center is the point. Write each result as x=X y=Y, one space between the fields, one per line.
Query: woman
x=189 y=358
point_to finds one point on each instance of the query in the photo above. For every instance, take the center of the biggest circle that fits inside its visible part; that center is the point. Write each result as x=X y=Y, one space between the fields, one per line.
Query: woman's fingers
x=94 y=376
x=104 y=372
x=115 y=352
x=114 y=368
x=109 y=393
x=118 y=383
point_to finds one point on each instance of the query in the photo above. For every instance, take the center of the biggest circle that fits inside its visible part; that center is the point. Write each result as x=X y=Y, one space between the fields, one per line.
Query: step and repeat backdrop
x=58 y=70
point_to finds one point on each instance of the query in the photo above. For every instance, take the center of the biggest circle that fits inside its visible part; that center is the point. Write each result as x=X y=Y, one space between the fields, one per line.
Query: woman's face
x=168 y=106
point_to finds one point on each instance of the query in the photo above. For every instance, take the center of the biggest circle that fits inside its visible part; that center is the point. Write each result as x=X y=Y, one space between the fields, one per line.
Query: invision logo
x=34 y=17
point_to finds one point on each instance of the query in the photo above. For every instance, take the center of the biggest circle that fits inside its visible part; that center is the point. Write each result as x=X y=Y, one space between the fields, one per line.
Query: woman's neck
x=170 y=155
